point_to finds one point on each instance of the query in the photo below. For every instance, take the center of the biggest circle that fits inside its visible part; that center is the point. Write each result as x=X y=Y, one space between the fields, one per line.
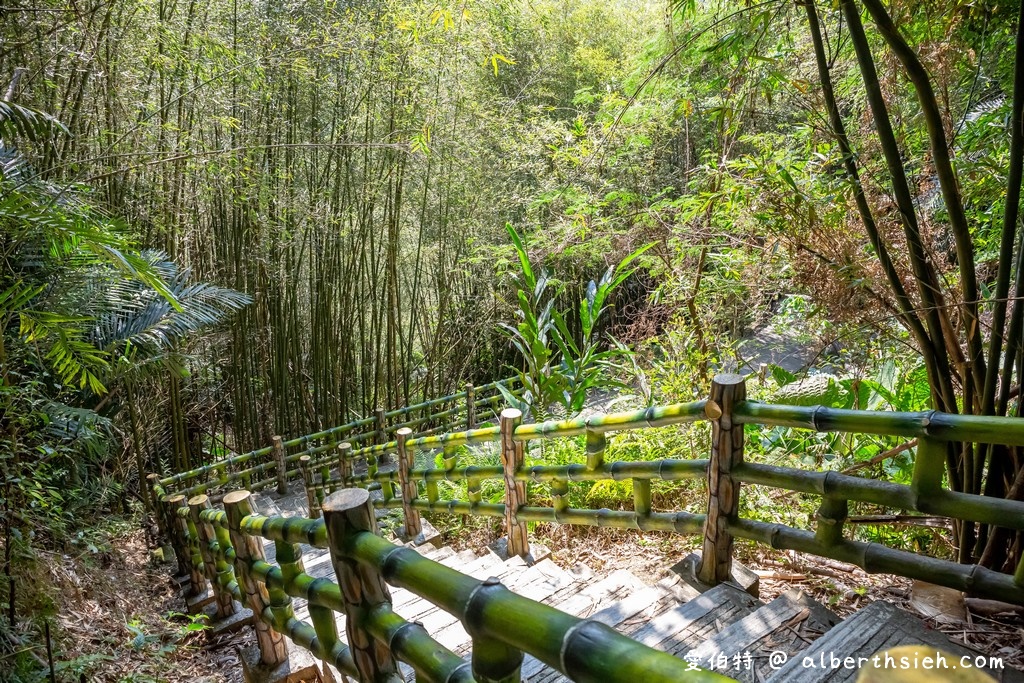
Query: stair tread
x=685 y=627
x=788 y=624
x=877 y=627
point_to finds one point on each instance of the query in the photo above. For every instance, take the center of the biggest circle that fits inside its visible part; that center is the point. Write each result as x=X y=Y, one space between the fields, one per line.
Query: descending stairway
x=790 y=639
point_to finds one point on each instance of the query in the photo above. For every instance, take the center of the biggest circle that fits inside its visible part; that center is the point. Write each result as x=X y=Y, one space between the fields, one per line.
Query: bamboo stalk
x=596 y=445
x=470 y=407
x=170 y=504
x=344 y=462
x=831 y=515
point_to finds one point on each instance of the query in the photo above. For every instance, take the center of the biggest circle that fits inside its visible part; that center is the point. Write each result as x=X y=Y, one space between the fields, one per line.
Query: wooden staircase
x=791 y=638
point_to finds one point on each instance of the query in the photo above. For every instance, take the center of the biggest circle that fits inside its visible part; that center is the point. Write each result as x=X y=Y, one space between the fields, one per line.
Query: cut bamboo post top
x=346 y=499
x=237 y=504
x=403 y=432
x=511 y=413
x=236 y=496
x=198 y=501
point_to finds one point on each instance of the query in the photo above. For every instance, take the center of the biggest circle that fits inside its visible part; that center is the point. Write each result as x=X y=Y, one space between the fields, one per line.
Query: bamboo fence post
x=410 y=492
x=512 y=458
x=723 y=490
x=346 y=514
x=289 y=557
x=312 y=504
x=211 y=567
x=282 y=466
x=929 y=466
x=344 y=462
x=238 y=505
x=470 y=406
x=560 y=498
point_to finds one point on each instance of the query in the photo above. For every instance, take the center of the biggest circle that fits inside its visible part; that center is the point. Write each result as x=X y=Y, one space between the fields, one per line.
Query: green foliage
x=542 y=337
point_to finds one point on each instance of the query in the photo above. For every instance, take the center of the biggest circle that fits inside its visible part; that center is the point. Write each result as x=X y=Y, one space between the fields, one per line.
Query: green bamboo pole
x=494 y=661
x=927 y=424
x=289 y=557
x=413 y=645
x=560 y=498
x=662 y=416
x=596 y=445
x=585 y=651
x=196 y=573
x=974 y=508
x=512 y=459
x=642 y=497
x=237 y=506
x=348 y=514
x=727 y=390
x=875 y=558
x=929 y=466
x=220 y=549
x=413 y=525
x=831 y=516
x=207 y=538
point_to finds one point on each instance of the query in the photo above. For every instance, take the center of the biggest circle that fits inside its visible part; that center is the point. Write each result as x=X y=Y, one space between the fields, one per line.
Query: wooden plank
x=787 y=624
x=685 y=627
x=879 y=626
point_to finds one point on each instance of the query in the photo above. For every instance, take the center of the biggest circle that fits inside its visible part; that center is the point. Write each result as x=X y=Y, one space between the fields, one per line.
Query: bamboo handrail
x=197 y=545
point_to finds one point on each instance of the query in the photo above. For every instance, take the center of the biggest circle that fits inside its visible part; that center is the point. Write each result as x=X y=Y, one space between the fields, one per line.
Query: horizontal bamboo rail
x=505 y=626
x=231 y=470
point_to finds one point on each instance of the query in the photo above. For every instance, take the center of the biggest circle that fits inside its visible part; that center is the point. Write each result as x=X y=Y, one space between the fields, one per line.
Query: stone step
x=745 y=649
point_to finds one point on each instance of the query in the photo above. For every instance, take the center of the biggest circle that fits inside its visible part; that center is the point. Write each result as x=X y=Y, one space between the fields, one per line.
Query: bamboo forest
x=511 y=340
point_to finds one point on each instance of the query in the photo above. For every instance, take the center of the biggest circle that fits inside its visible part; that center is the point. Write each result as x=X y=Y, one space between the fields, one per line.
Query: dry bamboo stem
x=413 y=526
x=312 y=502
x=512 y=459
x=238 y=505
x=723 y=490
x=282 y=466
x=347 y=513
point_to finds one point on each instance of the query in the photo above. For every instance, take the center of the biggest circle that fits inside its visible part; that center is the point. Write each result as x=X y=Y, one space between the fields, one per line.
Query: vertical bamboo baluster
x=470 y=406
x=723 y=490
x=929 y=466
x=326 y=485
x=189 y=550
x=560 y=498
x=169 y=503
x=282 y=466
x=450 y=457
x=596 y=445
x=512 y=459
x=307 y=481
x=642 y=497
x=346 y=513
x=492 y=660
x=238 y=505
x=831 y=516
x=344 y=462
x=289 y=557
x=410 y=492
x=211 y=567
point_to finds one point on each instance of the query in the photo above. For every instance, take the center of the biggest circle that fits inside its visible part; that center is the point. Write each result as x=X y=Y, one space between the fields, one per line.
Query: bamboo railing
x=224 y=548
x=278 y=463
